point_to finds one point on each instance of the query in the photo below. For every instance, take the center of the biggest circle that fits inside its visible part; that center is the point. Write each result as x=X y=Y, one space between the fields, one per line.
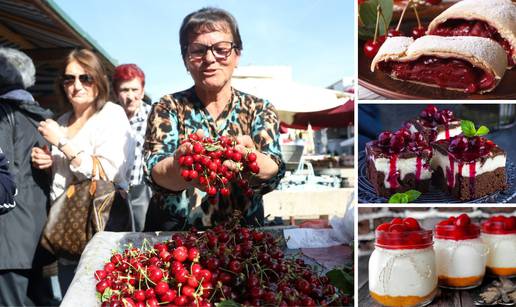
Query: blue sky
x=314 y=37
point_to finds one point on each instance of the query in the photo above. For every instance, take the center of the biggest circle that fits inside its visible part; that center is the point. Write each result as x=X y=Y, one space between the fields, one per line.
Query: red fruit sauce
x=500 y=225
x=457 y=228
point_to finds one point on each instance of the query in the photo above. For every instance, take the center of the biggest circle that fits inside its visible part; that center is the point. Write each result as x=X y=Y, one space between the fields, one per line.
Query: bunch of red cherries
x=205 y=163
x=229 y=262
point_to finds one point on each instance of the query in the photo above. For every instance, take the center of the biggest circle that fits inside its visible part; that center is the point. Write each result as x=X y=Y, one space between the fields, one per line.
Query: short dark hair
x=92 y=65
x=208 y=19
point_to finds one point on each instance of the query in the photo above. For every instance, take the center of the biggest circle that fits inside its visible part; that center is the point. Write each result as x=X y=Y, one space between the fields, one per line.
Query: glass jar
x=499 y=234
x=460 y=255
x=402 y=268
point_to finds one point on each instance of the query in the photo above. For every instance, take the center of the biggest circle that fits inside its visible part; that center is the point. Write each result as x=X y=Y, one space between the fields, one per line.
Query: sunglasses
x=85 y=79
x=220 y=50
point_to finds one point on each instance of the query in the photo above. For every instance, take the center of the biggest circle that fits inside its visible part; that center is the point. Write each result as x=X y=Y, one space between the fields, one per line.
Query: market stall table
x=99 y=250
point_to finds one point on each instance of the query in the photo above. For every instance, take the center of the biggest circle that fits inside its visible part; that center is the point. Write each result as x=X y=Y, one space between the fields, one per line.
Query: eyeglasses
x=220 y=50
x=85 y=79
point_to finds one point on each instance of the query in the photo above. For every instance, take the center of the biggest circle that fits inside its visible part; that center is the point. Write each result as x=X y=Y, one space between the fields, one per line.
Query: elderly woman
x=94 y=127
x=21 y=227
x=211 y=47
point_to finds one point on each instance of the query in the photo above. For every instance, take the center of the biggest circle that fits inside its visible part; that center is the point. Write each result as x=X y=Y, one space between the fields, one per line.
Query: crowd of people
x=137 y=143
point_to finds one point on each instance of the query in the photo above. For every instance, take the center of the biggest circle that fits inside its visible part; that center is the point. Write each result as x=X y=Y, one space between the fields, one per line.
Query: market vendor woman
x=211 y=47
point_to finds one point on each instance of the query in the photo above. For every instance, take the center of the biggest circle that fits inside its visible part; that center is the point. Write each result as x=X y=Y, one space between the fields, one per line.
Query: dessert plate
x=367 y=194
x=380 y=82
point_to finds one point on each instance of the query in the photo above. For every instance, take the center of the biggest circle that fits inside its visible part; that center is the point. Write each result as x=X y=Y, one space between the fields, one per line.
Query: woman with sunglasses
x=94 y=126
x=211 y=47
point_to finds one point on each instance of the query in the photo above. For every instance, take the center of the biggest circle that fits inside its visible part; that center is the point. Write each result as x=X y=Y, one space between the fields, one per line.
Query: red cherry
x=251 y=157
x=397 y=220
x=100 y=274
x=180 y=253
x=161 y=287
x=463 y=220
x=193 y=254
x=139 y=295
x=393 y=32
x=434 y=2
x=187 y=291
x=384 y=227
x=411 y=224
x=224 y=192
x=371 y=48
x=101 y=286
x=397 y=228
x=212 y=191
x=197 y=148
x=417 y=32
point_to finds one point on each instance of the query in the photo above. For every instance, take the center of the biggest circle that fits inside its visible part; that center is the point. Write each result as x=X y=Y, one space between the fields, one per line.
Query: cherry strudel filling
x=442 y=72
x=462 y=27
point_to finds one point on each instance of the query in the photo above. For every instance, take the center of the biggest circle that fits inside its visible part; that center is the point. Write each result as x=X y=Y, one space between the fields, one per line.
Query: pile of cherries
x=500 y=224
x=457 y=228
x=228 y=262
x=469 y=149
x=205 y=163
x=431 y=116
x=403 y=141
x=402 y=233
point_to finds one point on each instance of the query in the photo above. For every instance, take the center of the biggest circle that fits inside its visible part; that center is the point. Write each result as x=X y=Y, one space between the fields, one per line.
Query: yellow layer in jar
x=460 y=282
x=402 y=301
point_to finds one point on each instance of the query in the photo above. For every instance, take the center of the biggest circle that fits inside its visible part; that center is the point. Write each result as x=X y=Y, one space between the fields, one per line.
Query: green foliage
x=368 y=13
x=404 y=198
x=468 y=129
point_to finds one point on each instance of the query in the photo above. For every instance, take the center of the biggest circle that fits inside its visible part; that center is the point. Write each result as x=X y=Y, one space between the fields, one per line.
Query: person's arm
x=7 y=186
x=161 y=149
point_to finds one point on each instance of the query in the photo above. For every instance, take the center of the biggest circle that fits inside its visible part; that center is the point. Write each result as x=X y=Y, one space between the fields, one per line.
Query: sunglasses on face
x=220 y=50
x=85 y=79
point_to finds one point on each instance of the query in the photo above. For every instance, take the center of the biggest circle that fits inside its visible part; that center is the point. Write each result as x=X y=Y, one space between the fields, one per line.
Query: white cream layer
x=406 y=272
x=502 y=250
x=490 y=164
x=441 y=135
x=405 y=167
x=463 y=258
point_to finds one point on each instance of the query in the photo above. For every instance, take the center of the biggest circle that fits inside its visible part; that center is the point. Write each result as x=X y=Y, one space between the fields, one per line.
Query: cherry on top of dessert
x=403 y=234
x=431 y=116
x=457 y=228
x=469 y=149
x=500 y=224
x=403 y=141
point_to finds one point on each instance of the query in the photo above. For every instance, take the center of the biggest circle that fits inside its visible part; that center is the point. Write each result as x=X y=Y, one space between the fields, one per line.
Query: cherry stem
x=402 y=15
x=378 y=9
x=417 y=15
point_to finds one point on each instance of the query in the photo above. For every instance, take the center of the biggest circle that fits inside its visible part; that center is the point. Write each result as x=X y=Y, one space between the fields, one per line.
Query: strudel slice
x=462 y=63
x=494 y=19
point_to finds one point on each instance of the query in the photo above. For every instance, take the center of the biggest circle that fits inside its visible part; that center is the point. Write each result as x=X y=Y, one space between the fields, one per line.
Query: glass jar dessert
x=402 y=268
x=460 y=253
x=499 y=234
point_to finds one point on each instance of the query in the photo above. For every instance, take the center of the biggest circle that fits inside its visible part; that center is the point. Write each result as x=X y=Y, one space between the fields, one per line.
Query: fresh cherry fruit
x=417 y=32
x=397 y=220
x=371 y=48
x=393 y=32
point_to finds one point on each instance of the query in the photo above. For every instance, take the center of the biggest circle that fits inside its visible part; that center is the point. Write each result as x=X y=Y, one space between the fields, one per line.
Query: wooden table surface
x=445 y=297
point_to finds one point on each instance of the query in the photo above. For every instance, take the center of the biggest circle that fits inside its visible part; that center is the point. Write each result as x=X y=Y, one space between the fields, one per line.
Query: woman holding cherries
x=211 y=47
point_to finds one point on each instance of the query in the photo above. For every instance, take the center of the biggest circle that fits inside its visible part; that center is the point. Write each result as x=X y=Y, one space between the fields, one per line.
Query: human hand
x=51 y=131
x=41 y=157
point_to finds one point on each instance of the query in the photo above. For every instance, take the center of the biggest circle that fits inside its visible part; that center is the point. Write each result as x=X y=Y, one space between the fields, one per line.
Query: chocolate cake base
x=466 y=189
x=409 y=182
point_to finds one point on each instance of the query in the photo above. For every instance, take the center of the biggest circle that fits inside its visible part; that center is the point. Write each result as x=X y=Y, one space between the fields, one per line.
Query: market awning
x=45 y=33
x=337 y=117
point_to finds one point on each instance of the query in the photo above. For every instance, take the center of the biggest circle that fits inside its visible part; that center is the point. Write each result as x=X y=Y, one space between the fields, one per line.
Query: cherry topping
x=500 y=225
x=403 y=234
x=393 y=32
x=457 y=228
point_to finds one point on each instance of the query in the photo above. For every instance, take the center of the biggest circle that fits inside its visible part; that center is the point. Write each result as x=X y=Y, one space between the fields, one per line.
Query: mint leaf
x=404 y=198
x=395 y=198
x=412 y=195
x=483 y=130
x=468 y=128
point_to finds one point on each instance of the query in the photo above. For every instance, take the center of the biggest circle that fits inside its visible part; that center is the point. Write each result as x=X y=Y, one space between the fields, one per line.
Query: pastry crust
x=500 y=14
x=481 y=52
